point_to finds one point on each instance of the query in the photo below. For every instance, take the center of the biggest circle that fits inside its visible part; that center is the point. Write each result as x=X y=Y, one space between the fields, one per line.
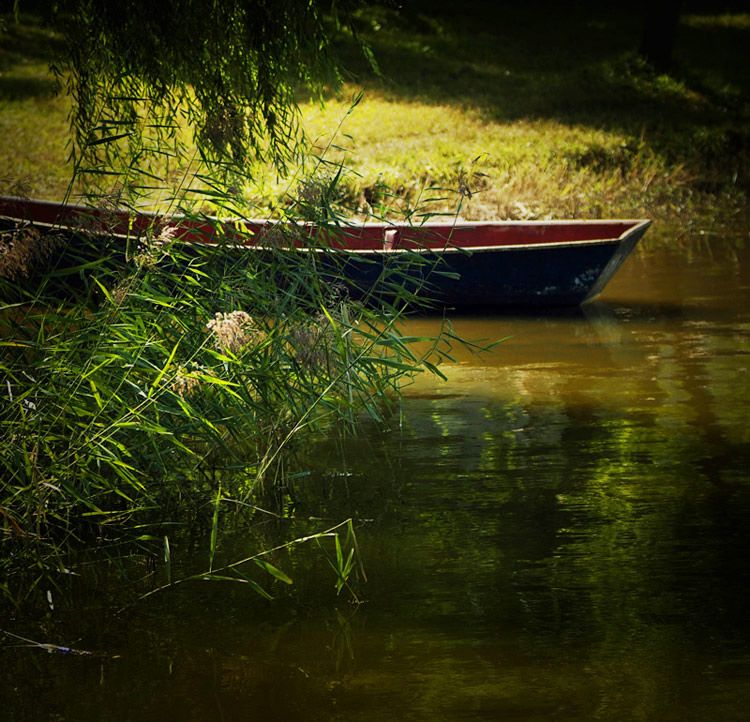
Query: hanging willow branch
x=139 y=71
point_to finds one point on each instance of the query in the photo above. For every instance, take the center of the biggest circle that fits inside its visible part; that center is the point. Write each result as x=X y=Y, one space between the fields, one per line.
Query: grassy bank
x=513 y=112
x=180 y=382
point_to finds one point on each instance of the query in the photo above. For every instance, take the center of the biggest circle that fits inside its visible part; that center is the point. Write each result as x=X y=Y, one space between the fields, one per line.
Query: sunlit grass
x=526 y=168
x=468 y=123
x=522 y=169
x=33 y=131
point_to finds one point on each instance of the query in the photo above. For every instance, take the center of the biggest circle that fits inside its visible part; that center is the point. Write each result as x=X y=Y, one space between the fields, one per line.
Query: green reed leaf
x=168 y=559
x=273 y=571
x=214 y=530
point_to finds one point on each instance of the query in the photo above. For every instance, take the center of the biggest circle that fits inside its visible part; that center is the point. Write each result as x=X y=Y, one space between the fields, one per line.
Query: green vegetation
x=176 y=379
x=148 y=379
x=138 y=389
x=562 y=117
x=522 y=112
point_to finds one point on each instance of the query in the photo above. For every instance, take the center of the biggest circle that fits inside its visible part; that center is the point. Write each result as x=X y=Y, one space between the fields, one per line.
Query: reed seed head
x=233 y=331
x=184 y=383
x=151 y=249
x=24 y=249
x=311 y=342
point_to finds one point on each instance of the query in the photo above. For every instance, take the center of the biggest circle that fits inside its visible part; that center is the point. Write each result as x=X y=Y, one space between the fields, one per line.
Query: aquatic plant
x=138 y=379
x=145 y=377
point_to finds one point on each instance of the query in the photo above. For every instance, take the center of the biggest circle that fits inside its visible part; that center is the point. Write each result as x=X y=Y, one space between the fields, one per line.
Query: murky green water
x=559 y=532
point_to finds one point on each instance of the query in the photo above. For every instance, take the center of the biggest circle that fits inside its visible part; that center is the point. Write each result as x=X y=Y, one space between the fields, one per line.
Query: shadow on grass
x=28 y=41
x=20 y=88
x=542 y=60
x=26 y=48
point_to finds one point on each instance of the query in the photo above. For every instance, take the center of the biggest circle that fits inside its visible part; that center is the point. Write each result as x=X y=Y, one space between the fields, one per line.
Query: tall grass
x=143 y=377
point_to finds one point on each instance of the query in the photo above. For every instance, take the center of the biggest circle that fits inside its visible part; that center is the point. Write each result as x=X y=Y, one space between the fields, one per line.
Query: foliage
x=133 y=382
x=142 y=372
x=132 y=401
x=566 y=120
x=138 y=73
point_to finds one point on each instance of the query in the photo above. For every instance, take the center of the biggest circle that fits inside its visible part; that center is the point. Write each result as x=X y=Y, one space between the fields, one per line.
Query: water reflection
x=569 y=538
x=559 y=532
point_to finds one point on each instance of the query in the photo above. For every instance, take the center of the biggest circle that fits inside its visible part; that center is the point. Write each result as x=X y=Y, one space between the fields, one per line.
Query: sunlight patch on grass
x=474 y=127
x=399 y=153
x=494 y=170
x=738 y=21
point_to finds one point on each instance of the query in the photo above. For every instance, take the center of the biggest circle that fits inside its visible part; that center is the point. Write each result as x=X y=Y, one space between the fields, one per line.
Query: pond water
x=558 y=532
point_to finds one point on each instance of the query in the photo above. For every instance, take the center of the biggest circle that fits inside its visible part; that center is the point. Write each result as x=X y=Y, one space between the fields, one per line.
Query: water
x=559 y=532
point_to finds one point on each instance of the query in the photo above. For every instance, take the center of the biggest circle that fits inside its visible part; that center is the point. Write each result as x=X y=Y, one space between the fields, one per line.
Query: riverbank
x=522 y=113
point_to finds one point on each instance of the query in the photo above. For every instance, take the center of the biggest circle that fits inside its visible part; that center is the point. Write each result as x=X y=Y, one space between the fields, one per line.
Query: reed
x=144 y=381
x=151 y=381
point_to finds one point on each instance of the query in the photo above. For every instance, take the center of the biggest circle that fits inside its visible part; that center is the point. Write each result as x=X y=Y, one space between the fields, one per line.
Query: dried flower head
x=23 y=249
x=151 y=249
x=184 y=382
x=121 y=291
x=233 y=331
x=311 y=342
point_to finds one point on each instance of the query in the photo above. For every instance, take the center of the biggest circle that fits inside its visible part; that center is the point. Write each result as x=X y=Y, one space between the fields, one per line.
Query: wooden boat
x=451 y=264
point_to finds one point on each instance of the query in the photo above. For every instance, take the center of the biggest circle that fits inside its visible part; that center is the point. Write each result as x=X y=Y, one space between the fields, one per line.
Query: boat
x=454 y=264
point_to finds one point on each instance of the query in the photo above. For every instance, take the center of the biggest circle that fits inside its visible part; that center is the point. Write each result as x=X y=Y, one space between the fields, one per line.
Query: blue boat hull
x=562 y=275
